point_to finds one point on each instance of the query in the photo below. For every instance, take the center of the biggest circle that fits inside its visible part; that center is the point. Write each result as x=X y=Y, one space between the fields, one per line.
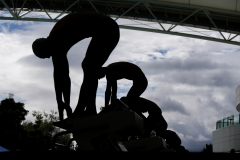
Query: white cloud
x=202 y=138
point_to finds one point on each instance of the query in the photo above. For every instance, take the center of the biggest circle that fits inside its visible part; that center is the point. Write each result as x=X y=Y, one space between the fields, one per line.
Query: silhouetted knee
x=87 y=66
x=139 y=86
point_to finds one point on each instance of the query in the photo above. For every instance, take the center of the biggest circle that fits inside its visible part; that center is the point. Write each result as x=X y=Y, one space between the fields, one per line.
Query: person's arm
x=62 y=80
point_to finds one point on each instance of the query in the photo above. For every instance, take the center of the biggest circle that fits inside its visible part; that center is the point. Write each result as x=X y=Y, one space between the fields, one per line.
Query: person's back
x=146 y=105
x=120 y=70
x=72 y=28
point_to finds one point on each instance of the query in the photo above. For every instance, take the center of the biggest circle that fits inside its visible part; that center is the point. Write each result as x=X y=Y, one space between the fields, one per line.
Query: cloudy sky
x=193 y=81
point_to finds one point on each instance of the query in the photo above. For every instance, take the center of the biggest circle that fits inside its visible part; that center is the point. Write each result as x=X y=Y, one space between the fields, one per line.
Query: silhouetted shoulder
x=76 y=26
x=119 y=70
x=147 y=105
x=122 y=64
x=75 y=22
x=125 y=67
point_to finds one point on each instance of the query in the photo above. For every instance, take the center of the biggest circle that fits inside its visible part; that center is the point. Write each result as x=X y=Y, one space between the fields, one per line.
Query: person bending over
x=66 y=32
x=155 y=121
x=119 y=70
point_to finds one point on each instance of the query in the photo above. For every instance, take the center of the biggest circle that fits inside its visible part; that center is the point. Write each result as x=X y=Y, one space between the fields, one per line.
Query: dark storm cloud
x=220 y=108
x=192 y=71
x=171 y=105
x=191 y=131
x=218 y=78
x=189 y=64
x=167 y=104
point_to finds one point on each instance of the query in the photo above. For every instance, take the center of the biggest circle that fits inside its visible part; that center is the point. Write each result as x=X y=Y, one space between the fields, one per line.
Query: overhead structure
x=222 y=16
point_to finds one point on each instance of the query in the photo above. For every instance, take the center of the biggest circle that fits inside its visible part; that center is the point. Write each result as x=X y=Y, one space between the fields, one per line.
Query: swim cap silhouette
x=38 y=47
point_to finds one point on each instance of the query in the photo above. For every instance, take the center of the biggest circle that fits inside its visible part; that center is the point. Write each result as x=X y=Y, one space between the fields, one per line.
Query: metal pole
x=25 y=13
x=93 y=6
x=180 y=34
x=44 y=9
x=213 y=24
x=128 y=10
x=184 y=19
x=154 y=16
x=67 y=9
x=233 y=37
x=5 y=4
x=21 y=7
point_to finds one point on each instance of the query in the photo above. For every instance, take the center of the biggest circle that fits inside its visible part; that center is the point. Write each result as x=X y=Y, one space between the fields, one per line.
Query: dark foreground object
x=113 y=129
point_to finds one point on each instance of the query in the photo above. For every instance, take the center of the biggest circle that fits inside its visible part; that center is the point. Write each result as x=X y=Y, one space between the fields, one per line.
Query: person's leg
x=87 y=94
x=97 y=54
x=135 y=91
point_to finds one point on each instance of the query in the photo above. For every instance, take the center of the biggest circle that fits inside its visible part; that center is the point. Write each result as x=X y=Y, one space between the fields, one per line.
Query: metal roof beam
x=208 y=13
x=141 y=29
x=170 y=28
x=21 y=8
x=5 y=4
x=154 y=16
x=25 y=13
x=188 y=6
x=93 y=6
x=44 y=9
x=233 y=37
x=128 y=10
x=180 y=34
x=67 y=9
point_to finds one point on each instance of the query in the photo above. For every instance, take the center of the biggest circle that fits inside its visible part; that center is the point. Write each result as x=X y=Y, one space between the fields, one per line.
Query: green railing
x=228 y=121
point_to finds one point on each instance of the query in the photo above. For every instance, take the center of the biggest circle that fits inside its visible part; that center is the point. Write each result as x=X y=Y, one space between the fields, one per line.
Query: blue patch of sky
x=163 y=52
x=153 y=88
x=154 y=57
x=131 y=61
x=134 y=62
x=19 y=100
x=101 y=91
x=123 y=90
x=11 y=26
x=3 y=96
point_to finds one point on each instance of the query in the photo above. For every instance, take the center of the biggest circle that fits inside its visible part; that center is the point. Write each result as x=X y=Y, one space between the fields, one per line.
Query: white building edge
x=227 y=134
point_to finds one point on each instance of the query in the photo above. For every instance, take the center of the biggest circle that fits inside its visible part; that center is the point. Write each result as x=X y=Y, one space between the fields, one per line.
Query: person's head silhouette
x=101 y=72
x=40 y=49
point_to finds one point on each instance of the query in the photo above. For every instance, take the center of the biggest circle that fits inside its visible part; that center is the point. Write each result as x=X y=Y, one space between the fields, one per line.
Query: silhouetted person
x=120 y=70
x=68 y=31
x=173 y=140
x=154 y=121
